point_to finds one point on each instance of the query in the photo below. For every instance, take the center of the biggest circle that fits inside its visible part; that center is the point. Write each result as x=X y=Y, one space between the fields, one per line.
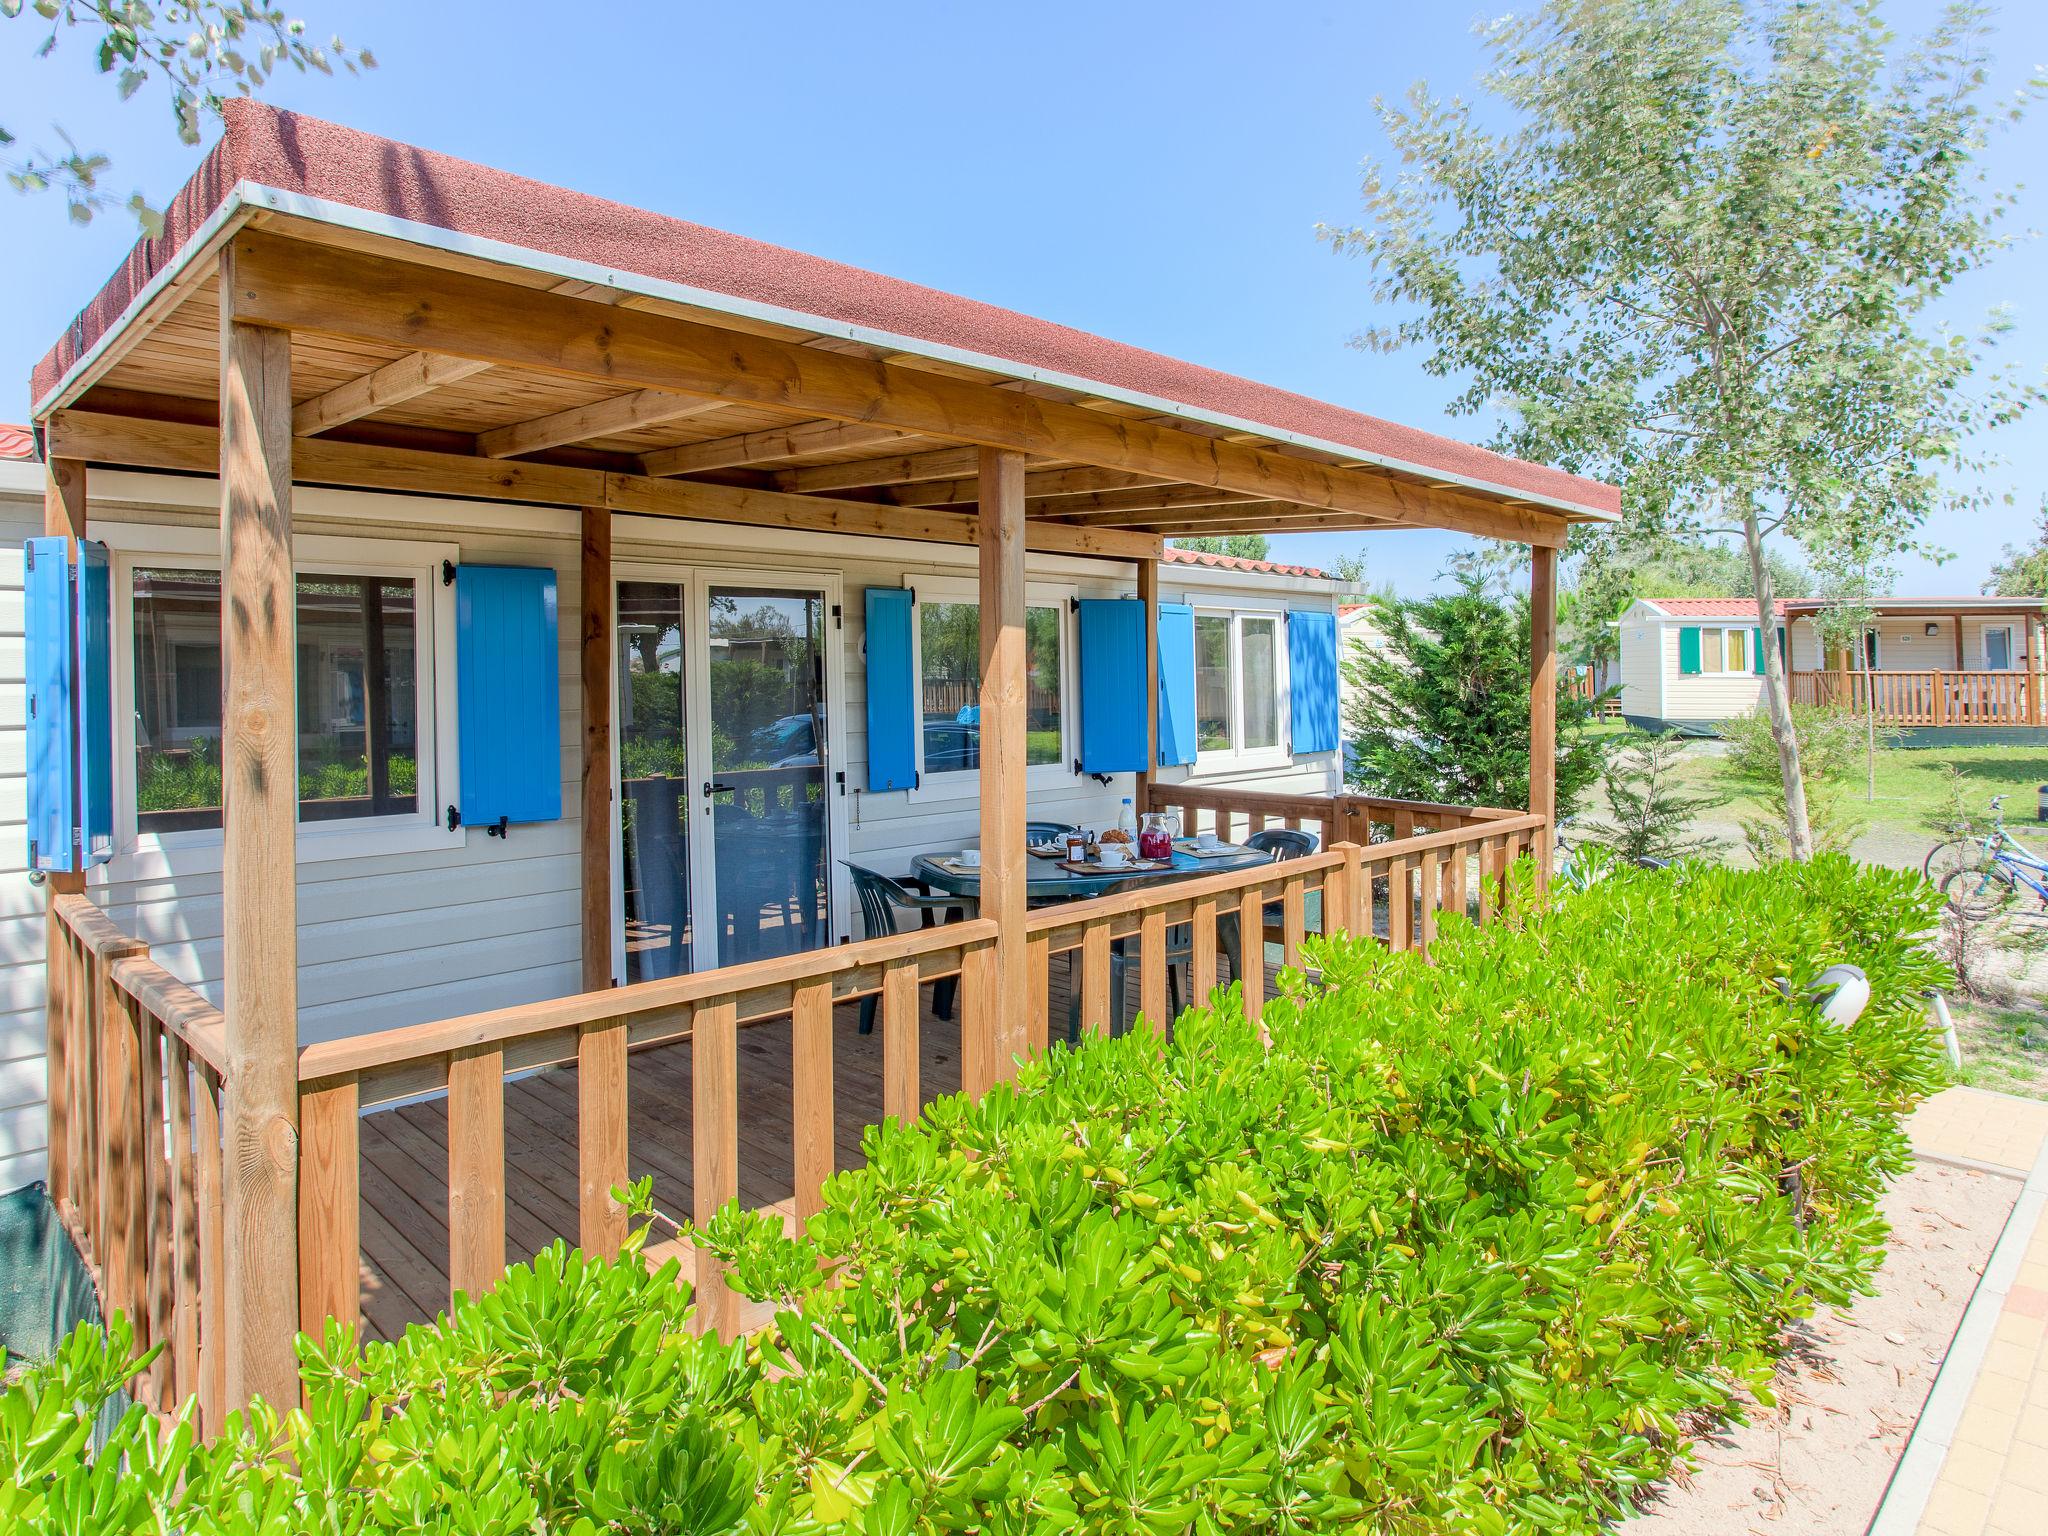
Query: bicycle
x=1979 y=875
x=1581 y=868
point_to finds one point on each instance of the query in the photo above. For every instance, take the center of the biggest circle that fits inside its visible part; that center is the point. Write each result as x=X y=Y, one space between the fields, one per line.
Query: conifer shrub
x=1474 y=1245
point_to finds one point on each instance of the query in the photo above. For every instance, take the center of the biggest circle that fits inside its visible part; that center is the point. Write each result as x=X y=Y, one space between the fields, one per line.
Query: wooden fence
x=1932 y=697
x=138 y=1077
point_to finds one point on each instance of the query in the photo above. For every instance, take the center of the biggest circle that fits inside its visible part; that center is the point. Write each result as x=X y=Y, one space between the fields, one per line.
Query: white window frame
x=139 y=855
x=955 y=785
x=2012 y=644
x=1237 y=758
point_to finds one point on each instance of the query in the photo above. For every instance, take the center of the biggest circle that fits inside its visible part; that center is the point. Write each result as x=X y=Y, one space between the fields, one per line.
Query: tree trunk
x=1777 y=696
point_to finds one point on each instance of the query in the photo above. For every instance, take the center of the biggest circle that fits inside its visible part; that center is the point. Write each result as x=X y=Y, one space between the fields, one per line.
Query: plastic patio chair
x=880 y=897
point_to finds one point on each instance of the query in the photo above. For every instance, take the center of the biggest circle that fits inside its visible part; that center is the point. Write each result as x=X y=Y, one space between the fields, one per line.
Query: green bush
x=1474 y=1246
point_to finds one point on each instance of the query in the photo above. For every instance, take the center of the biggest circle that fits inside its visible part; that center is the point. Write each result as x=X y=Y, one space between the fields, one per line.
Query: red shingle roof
x=16 y=442
x=1714 y=607
x=305 y=157
x=1176 y=556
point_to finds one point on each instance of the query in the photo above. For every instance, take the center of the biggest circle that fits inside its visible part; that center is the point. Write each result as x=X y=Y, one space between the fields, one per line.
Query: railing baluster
x=902 y=1093
x=1489 y=878
x=810 y=1018
x=1294 y=919
x=601 y=1131
x=213 y=1349
x=1400 y=904
x=1095 y=978
x=156 y=1195
x=57 y=985
x=184 y=1214
x=715 y=1147
x=330 y=1204
x=1038 y=972
x=1202 y=962
x=476 y=1170
x=1432 y=898
x=124 y=1212
x=1251 y=947
x=1152 y=971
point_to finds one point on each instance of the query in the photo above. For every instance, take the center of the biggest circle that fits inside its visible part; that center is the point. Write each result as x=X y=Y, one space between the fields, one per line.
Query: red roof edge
x=1177 y=556
x=306 y=157
x=16 y=442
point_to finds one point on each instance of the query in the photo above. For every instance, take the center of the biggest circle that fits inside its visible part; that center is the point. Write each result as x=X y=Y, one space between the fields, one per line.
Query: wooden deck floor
x=404 y=1169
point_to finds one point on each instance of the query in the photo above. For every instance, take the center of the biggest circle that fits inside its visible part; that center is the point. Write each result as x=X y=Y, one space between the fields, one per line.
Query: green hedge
x=1474 y=1246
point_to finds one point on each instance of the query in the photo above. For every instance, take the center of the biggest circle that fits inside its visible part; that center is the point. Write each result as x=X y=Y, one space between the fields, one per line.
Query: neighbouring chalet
x=1940 y=669
x=509 y=675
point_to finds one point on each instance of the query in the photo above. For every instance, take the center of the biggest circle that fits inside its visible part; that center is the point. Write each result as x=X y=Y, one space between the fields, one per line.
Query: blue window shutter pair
x=1176 y=684
x=1114 y=735
x=892 y=689
x=1312 y=679
x=1689 y=650
x=508 y=694
x=66 y=612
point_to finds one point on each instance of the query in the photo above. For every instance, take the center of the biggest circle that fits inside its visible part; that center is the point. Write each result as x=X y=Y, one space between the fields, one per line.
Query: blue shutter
x=50 y=665
x=1114 y=734
x=1756 y=637
x=892 y=690
x=1176 y=683
x=508 y=694
x=1312 y=679
x=96 y=702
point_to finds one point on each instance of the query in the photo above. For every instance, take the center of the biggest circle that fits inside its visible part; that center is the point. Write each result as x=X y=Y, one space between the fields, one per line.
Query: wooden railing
x=1234 y=814
x=138 y=1081
x=1932 y=697
x=137 y=1064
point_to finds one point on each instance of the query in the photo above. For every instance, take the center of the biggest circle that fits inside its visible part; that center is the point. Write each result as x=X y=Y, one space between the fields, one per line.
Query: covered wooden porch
x=286 y=336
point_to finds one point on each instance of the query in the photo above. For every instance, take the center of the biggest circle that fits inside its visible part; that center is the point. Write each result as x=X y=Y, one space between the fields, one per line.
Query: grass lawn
x=2004 y=1048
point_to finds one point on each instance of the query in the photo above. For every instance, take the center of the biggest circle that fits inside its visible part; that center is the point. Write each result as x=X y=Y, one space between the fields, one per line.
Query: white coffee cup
x=1115 y=855
x=1207 y=840
x=968 y=858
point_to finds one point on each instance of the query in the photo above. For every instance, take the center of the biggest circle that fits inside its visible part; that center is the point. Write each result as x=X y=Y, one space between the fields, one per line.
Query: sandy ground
x=1852 y=1383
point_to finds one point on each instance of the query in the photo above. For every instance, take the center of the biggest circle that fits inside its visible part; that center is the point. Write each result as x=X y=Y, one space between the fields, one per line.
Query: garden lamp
x=1841 y=993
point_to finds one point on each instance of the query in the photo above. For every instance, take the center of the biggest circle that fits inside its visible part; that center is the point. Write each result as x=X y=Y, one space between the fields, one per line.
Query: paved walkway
x=1977 y=1464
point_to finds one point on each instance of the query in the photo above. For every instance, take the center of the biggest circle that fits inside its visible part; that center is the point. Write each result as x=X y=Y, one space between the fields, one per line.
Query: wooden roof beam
x=603 y=418
x=415 y=374
x=944 y=464
x=1080 y=481
x=1112 y=507
x=375 y=297
x=142 y=443
x=792 y=442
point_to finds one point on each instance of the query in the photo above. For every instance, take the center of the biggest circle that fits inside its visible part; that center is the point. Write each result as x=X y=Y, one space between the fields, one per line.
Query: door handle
x=713 y=788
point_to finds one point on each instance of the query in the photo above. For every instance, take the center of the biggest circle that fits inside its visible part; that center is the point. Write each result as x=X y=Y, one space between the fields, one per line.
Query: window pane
x=1042 y=685
x=357 y=699
x=1713 y=647
x=1738 y=650
x=1998 y=649
x=1261 y=692
x=1212 y=683
x=949 y=642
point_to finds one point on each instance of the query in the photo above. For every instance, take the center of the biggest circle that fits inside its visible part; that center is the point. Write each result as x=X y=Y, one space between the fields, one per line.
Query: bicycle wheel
x=1975 y=894
x=1958 y=853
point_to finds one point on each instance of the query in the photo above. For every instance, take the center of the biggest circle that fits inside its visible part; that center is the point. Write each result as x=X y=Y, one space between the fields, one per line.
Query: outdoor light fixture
x=1931 y=629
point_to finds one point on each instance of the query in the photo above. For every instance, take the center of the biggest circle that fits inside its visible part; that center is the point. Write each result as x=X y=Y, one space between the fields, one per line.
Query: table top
x=1048 y=882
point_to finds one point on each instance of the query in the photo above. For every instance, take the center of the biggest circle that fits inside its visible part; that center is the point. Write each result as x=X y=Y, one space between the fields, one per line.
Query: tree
x=1697 y=262
x=1348 y=567
x=2023 y=572
x=1651 y=812
x=1829 y=740
x=1605 y=577
x=197 y=50
x=1241 y=546
x=1439 y=710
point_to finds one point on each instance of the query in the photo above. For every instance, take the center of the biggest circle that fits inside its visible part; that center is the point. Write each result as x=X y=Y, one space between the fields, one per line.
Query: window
x=949 y=684
x=1998 y=648
x=1239 y=684
x=358 y=703
x=1724 y=650
x=1738 y=649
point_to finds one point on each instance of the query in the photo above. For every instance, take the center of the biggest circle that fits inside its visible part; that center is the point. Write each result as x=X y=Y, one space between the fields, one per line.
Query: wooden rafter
x=149 y=444
x=943 y=464
x=296 y=285
x=604 y=418
x=1081 y=481
x=1115 y=507
x=415 y=374
x=797 y=441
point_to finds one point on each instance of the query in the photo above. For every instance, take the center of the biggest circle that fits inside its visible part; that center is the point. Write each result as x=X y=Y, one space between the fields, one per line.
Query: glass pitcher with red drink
x=1155 y=837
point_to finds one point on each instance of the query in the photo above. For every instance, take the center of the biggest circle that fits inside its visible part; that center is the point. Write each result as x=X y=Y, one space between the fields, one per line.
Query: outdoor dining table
x=1049 y=882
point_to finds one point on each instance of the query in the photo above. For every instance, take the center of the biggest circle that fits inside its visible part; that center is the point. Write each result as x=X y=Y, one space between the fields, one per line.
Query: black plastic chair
x=1283 y=843
x=1042 y=832
x=879 y=898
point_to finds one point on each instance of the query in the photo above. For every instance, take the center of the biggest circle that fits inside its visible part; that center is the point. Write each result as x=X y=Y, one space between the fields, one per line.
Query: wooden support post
x=1542 y=703
x=259 y=870
x=994 y=1057
x=64 y=487
x=597 y=748
x=330 y=1208
x=601 y=1136
x=715 y=1150
x=1148 y=594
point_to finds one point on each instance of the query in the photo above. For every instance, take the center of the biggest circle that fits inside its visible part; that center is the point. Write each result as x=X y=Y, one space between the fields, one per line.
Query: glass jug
x=1155 y=837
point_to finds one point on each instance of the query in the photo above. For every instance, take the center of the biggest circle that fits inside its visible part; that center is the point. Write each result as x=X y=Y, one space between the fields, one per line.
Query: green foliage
x=2023 y=571
x=1651 y=814
x=1243 y=546
x=1831 y=741
x=1470 y=1245
x=1439 y=710
x=199 y=51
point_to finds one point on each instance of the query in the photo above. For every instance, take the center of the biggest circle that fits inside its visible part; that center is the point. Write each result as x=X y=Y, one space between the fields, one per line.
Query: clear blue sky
x=1151 y=171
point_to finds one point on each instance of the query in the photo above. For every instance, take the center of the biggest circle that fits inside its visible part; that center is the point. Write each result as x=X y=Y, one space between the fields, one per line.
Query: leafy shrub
x=1474 y=1246
x=1831 y=743
x=1651 y=812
